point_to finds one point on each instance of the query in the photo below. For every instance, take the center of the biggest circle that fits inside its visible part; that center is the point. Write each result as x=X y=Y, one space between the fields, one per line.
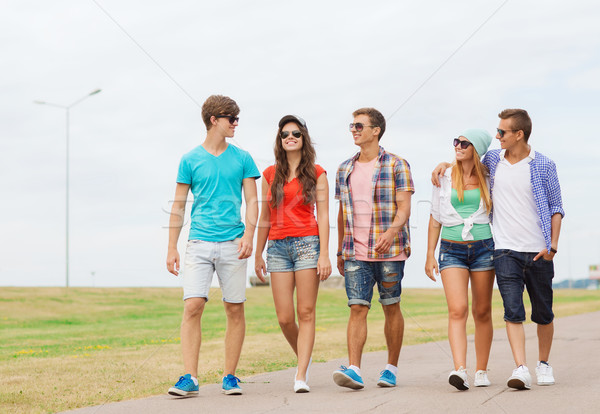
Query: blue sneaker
x=346 y=377
x=185 y=386
x=387 y=379
x=230 y=385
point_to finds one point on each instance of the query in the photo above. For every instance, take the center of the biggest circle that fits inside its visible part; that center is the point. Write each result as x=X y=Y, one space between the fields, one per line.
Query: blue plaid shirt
x=545 y=185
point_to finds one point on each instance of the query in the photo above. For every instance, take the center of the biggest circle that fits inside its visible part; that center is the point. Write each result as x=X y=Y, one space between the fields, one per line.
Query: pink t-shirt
x=361 y=183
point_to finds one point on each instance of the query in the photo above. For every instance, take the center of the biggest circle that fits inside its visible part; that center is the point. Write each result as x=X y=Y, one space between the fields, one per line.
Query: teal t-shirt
x=216 y=184
x=469 y=205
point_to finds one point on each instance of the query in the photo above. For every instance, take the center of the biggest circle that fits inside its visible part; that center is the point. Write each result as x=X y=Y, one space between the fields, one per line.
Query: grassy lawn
x=62 y=349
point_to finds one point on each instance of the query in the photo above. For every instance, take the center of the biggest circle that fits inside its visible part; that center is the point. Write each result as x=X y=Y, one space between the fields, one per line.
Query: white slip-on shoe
x=301 y=386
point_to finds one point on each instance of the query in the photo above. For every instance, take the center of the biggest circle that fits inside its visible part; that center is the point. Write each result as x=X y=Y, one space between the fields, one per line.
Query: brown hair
x=375 y=117
x=481 y=172
x=218 y=105
x=520 y=120
x=306 y=172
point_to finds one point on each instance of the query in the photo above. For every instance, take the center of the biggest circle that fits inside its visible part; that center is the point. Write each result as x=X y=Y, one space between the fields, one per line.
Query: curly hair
x=306 y=172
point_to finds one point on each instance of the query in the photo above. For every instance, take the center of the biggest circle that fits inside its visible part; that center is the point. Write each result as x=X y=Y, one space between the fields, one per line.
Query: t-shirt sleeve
x=269 y=174
x=184 y=174
x=320 y=170
x=250 y=169
x=403 y=177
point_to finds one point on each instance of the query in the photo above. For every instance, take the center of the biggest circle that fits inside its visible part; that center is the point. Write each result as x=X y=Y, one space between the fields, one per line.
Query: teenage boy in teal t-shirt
x=216 y=173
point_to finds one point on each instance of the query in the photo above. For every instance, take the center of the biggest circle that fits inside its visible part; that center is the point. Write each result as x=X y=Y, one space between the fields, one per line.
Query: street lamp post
x=67 y=109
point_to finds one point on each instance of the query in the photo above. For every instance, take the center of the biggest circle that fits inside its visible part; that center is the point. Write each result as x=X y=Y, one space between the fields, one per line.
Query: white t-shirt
x=516 y=221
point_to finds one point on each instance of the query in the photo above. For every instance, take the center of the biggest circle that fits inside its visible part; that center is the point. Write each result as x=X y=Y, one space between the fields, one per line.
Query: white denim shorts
x=203 y=258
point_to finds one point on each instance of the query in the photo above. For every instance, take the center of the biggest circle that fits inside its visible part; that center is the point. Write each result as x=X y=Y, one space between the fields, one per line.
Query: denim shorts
x=361 y=276
x=203 y=258
x=477 y=256
x=514 y=271
x=292 y=254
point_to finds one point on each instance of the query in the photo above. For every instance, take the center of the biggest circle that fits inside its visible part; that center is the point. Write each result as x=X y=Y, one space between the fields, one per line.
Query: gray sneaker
x=544 y=373
x=520 y=378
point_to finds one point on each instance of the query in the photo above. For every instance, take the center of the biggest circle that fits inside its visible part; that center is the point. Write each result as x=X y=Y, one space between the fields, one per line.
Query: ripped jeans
x=361 y=276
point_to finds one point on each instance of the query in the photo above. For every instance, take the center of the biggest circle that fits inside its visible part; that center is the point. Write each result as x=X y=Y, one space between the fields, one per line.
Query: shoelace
x=181 y=381
x=343 y=368
x=232 y=381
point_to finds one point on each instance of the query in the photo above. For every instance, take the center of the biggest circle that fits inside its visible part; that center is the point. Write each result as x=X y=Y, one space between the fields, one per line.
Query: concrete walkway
x=422 y=383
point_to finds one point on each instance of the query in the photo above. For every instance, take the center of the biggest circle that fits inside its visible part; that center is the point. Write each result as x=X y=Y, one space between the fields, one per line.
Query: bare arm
x=264 y=224
x=340 y=229
x=384 y=242
x=433 y=234
x=249 y=187
x=324 y=264
x=175 y=224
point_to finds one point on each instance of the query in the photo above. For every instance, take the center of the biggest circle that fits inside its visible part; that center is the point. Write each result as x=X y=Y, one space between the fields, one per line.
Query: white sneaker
x=520 y=378
x=301 y=386
x=544 y=373
x=459 y=379
x=481 y=379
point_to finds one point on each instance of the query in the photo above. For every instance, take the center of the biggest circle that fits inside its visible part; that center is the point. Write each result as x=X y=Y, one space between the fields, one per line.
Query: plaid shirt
x=391 y=174
x=545 y=185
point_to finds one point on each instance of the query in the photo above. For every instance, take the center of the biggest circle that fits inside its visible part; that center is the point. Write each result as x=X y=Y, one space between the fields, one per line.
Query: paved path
x=422 y=383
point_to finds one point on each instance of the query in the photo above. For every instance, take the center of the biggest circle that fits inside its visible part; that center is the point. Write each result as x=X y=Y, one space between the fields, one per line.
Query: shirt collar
x=381 y=151
x=529 y=158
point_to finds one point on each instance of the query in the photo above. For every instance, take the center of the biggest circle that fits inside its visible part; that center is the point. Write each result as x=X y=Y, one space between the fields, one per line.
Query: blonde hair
x=481 y=172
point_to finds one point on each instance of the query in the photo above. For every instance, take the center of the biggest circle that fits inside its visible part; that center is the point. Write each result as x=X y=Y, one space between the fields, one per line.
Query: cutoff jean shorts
x=361 y=276
x=516 y=270
x=477 y=256
x=292 y=254
x=203 y=258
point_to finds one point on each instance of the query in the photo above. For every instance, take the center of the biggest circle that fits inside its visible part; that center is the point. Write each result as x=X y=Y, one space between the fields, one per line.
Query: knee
x=235 y=312
x=306 y=314
x=458 y=313
x=482 y=313
x=286 y=322
x=193 y=307
x=359 y=311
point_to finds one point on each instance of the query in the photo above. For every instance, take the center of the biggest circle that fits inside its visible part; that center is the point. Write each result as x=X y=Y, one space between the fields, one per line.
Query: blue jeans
x=516 y=270
x=293 y=253
x=361 y=276
x=477 y=256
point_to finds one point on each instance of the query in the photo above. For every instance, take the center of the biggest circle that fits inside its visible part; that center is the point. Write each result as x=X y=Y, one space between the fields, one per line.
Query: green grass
x=62 y=349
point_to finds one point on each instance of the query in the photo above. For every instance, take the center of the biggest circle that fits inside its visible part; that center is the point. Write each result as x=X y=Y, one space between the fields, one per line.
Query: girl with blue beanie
x=460 y=212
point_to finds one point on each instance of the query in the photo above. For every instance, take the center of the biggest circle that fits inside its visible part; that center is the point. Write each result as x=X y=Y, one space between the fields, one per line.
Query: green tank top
x=469 y=205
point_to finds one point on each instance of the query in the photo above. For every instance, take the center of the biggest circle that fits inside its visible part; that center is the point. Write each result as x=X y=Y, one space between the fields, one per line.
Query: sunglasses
x=463 y=144
x=296 y=134
x=232 y=119
x=501 y=132
x=360 y=126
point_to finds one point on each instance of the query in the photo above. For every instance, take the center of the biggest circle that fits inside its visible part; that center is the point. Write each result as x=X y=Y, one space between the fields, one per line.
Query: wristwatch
x=553 y=250
x=338 y=254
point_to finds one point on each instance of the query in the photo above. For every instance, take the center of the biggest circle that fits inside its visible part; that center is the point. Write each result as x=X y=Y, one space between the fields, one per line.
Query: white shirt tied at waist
x=444 y=212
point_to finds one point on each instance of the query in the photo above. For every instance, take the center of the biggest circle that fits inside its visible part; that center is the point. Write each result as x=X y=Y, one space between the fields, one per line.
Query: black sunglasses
x=296 y=134
x=359 y=126
x=463 y=144
x=501 y=132
x=232 y=119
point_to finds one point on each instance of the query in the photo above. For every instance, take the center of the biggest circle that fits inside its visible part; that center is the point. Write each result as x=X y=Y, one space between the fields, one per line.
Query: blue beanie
x=480 y=139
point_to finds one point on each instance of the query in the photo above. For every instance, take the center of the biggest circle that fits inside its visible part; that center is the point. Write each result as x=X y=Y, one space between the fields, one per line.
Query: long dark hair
x=306 y=172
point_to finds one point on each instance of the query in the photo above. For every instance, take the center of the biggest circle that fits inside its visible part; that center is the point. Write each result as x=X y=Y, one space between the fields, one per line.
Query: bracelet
x=338 y=254
x=553 y=250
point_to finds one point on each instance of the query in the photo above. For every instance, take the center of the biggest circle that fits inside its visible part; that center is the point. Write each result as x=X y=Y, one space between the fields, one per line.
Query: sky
x=433 y=68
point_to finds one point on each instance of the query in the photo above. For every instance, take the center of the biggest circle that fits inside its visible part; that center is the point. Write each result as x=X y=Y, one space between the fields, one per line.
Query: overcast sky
x=433 y=68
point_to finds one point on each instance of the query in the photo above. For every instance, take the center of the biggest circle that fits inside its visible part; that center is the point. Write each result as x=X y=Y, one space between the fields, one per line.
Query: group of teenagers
x=515 y=186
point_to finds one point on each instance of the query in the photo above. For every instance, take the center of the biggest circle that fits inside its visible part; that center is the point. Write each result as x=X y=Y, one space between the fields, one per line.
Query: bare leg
x=394 y=331
x=545 y=334
x=516 y=338
x=234 y=335
x=456 y=287
x=282 y=286
x=307 y=288
x=482 y=284
x=191 y=334
x=357 y=333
